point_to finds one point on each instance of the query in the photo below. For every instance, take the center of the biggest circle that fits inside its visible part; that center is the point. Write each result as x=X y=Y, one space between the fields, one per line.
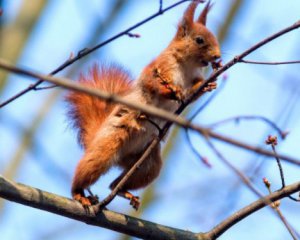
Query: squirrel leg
x=143 y=176
x=99 y=157
x=134 y=201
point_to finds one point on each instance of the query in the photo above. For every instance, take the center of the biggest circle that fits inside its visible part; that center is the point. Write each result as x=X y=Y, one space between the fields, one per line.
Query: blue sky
x=189 y=196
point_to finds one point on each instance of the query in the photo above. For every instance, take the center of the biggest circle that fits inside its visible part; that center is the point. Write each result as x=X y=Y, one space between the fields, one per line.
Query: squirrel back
x=87 y=113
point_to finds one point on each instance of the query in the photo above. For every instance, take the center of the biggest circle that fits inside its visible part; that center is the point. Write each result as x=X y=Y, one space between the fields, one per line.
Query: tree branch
x=66 y=207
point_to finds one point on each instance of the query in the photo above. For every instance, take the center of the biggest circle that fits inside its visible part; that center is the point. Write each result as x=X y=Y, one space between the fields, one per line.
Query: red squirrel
x=115 y=135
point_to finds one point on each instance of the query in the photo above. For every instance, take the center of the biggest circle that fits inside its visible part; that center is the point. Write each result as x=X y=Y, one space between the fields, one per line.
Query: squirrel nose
x=217 y=56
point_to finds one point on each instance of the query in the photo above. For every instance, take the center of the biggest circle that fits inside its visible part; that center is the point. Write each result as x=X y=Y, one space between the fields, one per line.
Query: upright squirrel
x=115 y=135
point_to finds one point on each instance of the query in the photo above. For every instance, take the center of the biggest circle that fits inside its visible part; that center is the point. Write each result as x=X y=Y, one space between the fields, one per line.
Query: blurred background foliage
x=38 y=148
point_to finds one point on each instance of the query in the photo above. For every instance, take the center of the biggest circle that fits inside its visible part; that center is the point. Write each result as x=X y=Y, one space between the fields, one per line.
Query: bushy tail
x=88 y=113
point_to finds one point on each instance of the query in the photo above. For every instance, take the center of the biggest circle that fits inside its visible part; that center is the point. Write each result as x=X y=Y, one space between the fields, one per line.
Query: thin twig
x=269 y=63
x=210 y=99
x=45 y=88
x=87 y=51
x=272 y=140
x=275 y=205
x=242 y=176
x=273 y=125
x=279 y=167
x=285 y=222
x=204 y=160
x=133 y=35
x=200 y=109
x=160 y=5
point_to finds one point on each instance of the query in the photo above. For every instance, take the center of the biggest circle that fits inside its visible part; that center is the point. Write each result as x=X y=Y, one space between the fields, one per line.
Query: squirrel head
x=193 y=40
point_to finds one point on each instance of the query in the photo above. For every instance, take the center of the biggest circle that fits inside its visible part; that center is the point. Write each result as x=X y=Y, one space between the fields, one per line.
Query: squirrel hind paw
x=94 y=199
x=86 y=201
x=134 y=200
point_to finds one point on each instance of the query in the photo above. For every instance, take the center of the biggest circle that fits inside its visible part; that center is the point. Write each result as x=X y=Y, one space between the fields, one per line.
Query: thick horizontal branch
x=251 y=208
x=66 y=207
x=151 y=110
x=49 y=202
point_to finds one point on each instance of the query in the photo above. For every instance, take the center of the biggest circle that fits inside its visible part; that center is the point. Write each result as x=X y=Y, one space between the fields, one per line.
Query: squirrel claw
x=142 y=116
x=217 y=65
x=135 y=202
x=85 y=202
x=210 y=86
x=177 y=92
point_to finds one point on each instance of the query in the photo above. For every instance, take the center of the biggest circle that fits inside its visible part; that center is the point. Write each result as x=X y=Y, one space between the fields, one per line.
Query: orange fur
x=115 y=135
x=87 y=112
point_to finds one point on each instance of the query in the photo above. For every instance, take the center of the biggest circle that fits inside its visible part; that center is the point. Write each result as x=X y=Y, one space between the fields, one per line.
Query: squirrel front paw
x=171 y=91
x=176 y=92
x=210 y=87
x=216 y=65
x=166 y=88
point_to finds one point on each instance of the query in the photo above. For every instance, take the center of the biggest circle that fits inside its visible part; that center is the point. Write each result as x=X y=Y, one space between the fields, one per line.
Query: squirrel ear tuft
x=203 y=15
x=186 y=23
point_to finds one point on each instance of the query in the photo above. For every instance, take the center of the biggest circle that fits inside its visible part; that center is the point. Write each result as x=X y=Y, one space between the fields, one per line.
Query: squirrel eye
x=199 y=40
